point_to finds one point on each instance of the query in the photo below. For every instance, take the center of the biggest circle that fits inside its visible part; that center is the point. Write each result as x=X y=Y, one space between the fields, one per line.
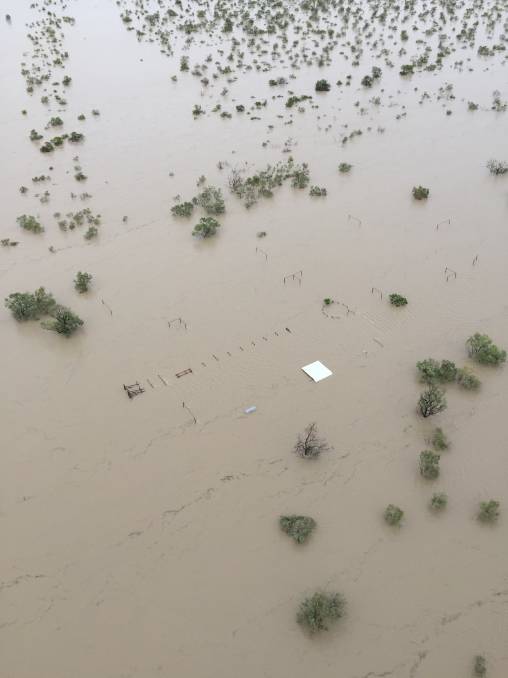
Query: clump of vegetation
x=298 y=527
x=64 y=322
x=432 y=401
x=479 y=666
x=420 y=192
x=327 y=301
x=30 y=223
x=55 y=122
x=316 y=612
x=439 y=501
x=393 y=514
x=497 y=167
x=467 y=379
x=183 y=209
x=262 y=184
x=211 y=200
x=429 y=464
x=309 y=445
x=92 y=232
x=75 y=137
x=367 y=81
x=82 y=281
x=397 y=300
x=345 y=168
x=482 y=349
x=47 y=147
x=317 y=192
x=322 y=86
x=431 y=371
x=206 y=227
x=35 y=136
x=407 y=69
x=439 y=440
x=28 y=306
x=489 y=511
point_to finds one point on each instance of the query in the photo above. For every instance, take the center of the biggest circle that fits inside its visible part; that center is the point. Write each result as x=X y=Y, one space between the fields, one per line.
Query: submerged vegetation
x=432 y=401
x=482 y=349
x=393 y=514
x=397 y=300
x=310 y=445
x=297 y=527
x=319 y=610
x=33 y=306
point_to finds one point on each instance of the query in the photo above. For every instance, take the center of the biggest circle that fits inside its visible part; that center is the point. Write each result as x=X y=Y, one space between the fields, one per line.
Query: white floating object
x=250 y=409
x=317 y=371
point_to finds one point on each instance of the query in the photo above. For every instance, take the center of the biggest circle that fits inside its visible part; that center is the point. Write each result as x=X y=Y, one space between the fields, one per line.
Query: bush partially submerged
x=431 y=371
x=420 y=193
x=432 y=401
x=489 y=511
x=298 y=527
x=211 y=200
x=429 y=464
x=479 y=666
x=28 y=306
x=65 y=322
x=183 y=209
x=322 y=86
x=309 y=445
x=393 y=514
x=497 y=167
x=481 y=348
x=439 y=440
x=439 y=501
x=316 y=612
x=30 y=223
x=397 y=300
x=345 y=167
x=82 y=281
x=467 y=379
x=206 y=227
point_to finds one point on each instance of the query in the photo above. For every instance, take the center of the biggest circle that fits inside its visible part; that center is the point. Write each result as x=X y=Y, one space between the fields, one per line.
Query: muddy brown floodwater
x=137 y=543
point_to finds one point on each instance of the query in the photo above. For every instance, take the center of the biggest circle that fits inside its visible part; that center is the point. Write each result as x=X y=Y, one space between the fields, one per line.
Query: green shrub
x=320 y=609
x=439 y=501
x=345 y=167
x=393 y=514
x=92 y=232
x=298 y=527
x=322 y=86
x=47 y=147
x=397 y=300
x=367 y=81
x=484 y=351
x=183 y=209
x=206 y=227
x=65 y=322
x=407 y=69
x=420 y=193
x=429 y=464
x=447 y=371
x=429 y=370
x=489 y=511
x=439 y=440
x=432 y=401
x=317 y=192
x=300 y=177
x=82 y=281
x=27 y=306
x=327 y=301
x=211 y=200
x=467 y=379
x=76 y=136
x=30 y=223
x=479 y=666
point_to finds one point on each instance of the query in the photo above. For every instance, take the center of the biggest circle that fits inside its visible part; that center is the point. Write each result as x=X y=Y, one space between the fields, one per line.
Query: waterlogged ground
x=137 y=543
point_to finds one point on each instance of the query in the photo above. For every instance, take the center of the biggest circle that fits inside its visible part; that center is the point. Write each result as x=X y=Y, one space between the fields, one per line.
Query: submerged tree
x=317 y=611
x=489 y=511
x=420 y=193
x=439 y=501
x=397 y=300
x=28 y=306
x=309 y=445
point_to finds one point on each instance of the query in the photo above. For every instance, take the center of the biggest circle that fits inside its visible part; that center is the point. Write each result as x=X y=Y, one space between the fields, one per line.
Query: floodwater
x=137 y=543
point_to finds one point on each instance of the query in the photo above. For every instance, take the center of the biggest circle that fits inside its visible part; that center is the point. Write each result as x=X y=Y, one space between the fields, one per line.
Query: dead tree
x=309 y=445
